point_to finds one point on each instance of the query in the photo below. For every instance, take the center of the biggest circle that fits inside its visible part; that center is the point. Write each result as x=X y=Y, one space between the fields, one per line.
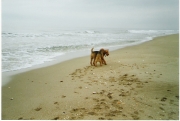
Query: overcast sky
x=123 y=14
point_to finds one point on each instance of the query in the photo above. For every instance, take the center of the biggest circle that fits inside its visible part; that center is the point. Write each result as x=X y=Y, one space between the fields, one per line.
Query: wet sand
x=138 y=82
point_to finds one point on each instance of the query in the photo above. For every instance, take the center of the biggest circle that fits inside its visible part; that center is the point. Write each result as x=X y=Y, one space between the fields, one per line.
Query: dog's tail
x=92 y=49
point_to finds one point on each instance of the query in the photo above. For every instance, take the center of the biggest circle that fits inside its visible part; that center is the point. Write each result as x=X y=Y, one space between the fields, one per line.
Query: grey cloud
x=125 y=14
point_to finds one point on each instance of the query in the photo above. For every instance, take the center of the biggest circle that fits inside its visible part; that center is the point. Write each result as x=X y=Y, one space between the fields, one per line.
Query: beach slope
x=138 y=82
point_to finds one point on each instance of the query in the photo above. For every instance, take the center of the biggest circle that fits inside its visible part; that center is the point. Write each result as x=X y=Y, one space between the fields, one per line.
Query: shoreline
x=6 y=76
x=138 y=82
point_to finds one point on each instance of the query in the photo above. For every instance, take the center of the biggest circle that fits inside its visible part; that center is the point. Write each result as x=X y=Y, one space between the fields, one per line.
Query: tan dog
x=94 y=54
x=98 y=59
x=104 y=53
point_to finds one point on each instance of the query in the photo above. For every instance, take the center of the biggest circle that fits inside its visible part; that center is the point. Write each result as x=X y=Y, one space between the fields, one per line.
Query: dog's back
x=95 y=52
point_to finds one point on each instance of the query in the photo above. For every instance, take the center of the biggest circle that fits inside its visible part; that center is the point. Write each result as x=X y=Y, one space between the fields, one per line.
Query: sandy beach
x=140 y=82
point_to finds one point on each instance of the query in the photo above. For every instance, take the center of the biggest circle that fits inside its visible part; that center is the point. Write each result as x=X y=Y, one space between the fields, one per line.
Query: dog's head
x=105 y=52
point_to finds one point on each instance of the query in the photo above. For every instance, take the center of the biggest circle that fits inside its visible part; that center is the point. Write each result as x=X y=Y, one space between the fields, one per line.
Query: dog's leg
x=102 y=57
x=104 y=61
x=94 y=61
x=91 y=59
x=91 y=56
x=100 y=63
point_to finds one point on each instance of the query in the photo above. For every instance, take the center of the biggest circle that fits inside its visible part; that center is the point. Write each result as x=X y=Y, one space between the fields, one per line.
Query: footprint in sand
x=163 y=99
x=55 y=102
x=97 y=107
x=135 y=117
x=92 y=113
x=150 y=117
x=101 y=118
x=136 y=112
x=56 y=118
x=63 y=96
x=124 y=115
x=172 y=113
x=177 y=97
x=122 y=94
x=76 y=92
x=161 y=108
x=38 y=109
x=110 y=114
x=80 y=87
x=109 y=95
x=103 y=99
x=21 y=118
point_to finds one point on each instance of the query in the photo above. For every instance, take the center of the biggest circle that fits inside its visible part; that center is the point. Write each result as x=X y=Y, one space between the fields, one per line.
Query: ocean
x=30 y=48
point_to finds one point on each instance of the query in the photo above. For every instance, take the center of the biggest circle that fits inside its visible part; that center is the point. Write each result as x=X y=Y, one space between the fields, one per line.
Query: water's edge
x=7 y=76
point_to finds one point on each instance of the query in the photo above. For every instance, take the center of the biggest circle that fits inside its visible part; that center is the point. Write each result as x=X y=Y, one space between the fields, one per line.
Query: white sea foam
x=23 y=50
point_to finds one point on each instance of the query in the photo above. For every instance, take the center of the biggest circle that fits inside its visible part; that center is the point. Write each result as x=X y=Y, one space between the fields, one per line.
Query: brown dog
x=98 y=59
x=94 y=54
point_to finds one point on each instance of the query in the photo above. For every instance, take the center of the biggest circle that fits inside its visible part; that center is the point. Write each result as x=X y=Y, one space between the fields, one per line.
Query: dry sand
x=138 y=82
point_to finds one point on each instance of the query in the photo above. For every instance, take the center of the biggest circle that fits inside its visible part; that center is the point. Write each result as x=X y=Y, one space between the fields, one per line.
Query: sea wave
x=156 y=32
x=22 y=50
x=143 y=31
x=63 y=48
